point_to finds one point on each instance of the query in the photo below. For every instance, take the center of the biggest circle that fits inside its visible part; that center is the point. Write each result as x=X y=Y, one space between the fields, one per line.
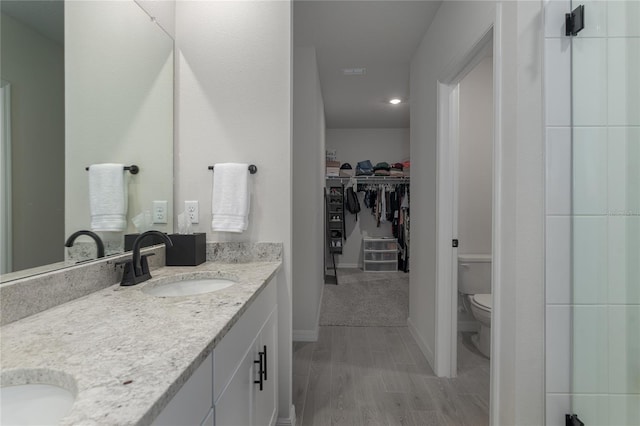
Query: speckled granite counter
x=121 y=335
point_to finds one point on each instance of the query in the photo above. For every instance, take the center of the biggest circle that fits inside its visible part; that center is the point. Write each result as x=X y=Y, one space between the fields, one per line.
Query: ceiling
x=380 y=36
x=46 y=16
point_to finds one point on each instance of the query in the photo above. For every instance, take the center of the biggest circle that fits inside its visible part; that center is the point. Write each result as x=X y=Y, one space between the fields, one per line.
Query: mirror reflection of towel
x=230 y=197
x=107 y=197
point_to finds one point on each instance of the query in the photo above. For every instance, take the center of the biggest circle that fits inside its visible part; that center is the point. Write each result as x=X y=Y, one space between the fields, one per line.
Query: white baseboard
x=347 y=265
x=344 y=266
x=428 y=353
x=291 y=421
x=468 y=326
x=310 y=335
x=305 y=335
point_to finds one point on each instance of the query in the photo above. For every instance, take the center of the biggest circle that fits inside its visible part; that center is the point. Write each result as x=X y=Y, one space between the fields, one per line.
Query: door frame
x=6 y=224
x=447 y=174
x=447 y=229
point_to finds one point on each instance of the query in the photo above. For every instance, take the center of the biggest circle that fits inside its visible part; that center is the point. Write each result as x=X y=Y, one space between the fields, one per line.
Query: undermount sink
x=189 y=287
x=34 y=404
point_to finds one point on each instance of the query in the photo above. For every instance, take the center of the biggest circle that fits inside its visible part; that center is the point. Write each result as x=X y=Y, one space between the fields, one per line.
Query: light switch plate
x=160 y=211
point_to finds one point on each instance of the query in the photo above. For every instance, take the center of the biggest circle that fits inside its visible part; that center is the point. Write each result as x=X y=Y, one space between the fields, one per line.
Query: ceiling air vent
x=354 y=71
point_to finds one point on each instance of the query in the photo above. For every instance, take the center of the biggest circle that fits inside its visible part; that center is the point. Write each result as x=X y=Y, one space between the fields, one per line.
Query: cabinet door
x=235 y=405
x=209 y=420
x=266 y=401
x=193 y=401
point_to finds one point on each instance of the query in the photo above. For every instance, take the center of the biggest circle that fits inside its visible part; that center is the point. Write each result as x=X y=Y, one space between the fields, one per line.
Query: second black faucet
x=136 y=270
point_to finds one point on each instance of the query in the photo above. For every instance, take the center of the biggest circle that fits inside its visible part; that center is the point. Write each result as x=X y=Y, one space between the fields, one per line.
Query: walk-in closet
x=367 y=223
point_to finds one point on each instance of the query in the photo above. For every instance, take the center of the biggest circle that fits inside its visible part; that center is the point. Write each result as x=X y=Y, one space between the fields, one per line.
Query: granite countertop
x=126 y=353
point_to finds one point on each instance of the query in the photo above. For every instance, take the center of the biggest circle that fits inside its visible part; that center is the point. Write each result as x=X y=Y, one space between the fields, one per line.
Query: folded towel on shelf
x=107 y=197
x=230 y=197
x=382 y=172
x=381 y=166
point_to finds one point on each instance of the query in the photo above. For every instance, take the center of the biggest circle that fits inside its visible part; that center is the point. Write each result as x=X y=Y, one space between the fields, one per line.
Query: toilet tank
x=474 y=273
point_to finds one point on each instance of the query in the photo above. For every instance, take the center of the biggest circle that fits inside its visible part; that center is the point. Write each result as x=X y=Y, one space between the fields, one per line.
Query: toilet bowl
x=474 y=282
x=481 y=311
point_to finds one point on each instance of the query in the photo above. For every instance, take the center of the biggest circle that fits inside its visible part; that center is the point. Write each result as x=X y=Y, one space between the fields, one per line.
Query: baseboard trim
x=347 y=265
x=427 y=352
x=319 y=309
x=305 y=335
x=473 y=326
x=291 y=421
x=343 y=266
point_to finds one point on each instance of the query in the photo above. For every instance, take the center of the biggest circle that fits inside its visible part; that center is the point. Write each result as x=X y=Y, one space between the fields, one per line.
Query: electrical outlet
x=160 y=211
x=191 y=207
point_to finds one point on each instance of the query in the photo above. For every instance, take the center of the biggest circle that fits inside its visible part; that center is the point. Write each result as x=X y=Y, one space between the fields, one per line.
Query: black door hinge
x=454 y=243
x=572 y=420
x=574 y=21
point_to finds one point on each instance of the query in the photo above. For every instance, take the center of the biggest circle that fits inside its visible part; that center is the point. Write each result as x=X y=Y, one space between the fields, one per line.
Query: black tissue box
x=150 y=240
x=187 y=250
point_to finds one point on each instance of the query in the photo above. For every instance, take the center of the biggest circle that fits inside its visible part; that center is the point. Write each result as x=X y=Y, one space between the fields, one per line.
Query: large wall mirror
x=83 y=82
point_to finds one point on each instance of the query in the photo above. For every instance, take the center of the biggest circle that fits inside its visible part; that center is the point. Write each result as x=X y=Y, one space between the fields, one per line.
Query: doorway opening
x=466 y=218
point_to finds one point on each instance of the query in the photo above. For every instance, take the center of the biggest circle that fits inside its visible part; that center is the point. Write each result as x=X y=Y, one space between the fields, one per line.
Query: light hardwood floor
x=378 y=376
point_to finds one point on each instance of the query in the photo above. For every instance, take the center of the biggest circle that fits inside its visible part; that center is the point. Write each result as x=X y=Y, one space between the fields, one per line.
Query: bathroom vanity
x=132 y=357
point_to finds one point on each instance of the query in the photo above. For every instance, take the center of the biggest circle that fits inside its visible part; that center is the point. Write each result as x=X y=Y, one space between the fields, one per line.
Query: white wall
x=308 y=183
x=234 y=76
x=352 y=146
x=119 y=105
x=34 y=66
x=517 y=358
x=163 y=11
x=475 y=164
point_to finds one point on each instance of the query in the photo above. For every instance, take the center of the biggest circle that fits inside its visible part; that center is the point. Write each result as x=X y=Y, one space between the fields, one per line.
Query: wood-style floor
x=378 y=376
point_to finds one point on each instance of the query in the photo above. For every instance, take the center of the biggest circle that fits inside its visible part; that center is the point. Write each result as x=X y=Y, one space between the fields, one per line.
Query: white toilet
x=474 y=282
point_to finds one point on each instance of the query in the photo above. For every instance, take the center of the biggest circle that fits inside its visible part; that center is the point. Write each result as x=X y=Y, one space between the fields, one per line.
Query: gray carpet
x=366 y=299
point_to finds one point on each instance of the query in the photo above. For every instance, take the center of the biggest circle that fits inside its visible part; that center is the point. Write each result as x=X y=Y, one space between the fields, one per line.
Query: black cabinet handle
x=259 y=382
x=265 y=363
x=262 y=372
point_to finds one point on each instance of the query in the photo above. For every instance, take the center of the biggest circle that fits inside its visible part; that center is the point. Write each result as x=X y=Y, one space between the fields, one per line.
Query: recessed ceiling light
x=395 y=101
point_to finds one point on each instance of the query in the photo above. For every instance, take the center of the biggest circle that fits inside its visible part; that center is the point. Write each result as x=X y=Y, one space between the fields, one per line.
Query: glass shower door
x=606 y=214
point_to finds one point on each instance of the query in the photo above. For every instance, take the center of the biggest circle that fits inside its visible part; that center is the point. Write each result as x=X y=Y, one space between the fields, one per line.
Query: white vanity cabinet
x=225 y=389
x=245 y=367
x=192 y=404
x=265 y=402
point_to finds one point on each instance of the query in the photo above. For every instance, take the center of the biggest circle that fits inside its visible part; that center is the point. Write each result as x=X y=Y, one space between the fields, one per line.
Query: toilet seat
x=482 y=301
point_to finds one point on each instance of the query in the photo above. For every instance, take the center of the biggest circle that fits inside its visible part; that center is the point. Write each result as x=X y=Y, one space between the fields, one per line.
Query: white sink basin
x=189 y=287
x=34 y=404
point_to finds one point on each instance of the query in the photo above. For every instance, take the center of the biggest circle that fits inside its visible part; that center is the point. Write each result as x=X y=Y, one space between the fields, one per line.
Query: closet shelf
x=371 y=179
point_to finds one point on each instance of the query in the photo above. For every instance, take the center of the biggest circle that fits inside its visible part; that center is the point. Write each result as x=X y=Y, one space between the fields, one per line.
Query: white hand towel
x=230 y=198
x=107 y=197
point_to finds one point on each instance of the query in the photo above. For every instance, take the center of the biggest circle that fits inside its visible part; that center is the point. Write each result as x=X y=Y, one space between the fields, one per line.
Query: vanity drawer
x=229 y=353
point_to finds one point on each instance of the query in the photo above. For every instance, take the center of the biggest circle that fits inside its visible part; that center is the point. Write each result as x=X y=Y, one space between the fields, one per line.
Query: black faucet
x=93 y=235
x=136 y=270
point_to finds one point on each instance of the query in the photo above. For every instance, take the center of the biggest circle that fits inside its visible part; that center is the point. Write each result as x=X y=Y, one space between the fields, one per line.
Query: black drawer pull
x=260 y=370
x=265 y=363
